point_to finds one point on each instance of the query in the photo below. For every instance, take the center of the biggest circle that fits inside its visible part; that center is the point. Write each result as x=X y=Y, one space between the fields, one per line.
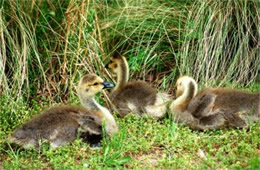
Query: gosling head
x=91 y=84
x=185 y=83
x=116 y=62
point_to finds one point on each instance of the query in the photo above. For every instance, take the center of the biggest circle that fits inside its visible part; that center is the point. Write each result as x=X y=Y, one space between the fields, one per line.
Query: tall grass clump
x=221 y=42
x=45 y=45
x=147 y=32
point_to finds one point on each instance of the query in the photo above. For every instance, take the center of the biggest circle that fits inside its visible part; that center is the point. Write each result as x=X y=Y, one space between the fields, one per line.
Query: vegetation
x=46 y=46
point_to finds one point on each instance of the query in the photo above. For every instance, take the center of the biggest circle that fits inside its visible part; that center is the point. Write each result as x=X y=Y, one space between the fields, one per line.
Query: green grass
x=142 y=142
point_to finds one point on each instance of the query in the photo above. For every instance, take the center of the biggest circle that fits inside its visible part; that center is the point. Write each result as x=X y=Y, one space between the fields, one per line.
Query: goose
x=60 y=125
x=136 y=97
x=214 y=108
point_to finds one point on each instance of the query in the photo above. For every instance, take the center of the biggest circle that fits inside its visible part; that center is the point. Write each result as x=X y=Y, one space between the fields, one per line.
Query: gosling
x=60 y=125
x=214 y=108
x=136 y=97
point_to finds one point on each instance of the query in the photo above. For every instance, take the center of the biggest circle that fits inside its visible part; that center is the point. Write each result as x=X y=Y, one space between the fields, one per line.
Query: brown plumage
x=60 y=124
x=136 y=97
x=214 y=108
x=138 y=94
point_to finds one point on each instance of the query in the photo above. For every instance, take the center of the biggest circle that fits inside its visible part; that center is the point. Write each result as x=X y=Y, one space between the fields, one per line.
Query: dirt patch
x=149 y=159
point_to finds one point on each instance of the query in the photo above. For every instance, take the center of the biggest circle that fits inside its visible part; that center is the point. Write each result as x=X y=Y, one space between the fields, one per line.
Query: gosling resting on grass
x=214 y=108
x=60 y=125
x=136 y=97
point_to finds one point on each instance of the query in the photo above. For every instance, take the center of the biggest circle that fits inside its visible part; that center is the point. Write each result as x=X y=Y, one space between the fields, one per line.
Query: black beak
x=108 y=85
x=106 y=66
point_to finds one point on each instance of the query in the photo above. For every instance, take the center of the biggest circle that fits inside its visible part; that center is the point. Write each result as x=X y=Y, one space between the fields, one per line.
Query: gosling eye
x=115 y=65
x=95 y=84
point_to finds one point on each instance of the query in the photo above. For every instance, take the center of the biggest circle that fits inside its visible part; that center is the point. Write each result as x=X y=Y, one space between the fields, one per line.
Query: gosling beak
x=108 y=85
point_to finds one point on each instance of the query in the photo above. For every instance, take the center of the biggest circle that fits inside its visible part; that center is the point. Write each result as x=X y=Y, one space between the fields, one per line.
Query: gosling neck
x=90 y=103
x=122 y=74
x=190 y=90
